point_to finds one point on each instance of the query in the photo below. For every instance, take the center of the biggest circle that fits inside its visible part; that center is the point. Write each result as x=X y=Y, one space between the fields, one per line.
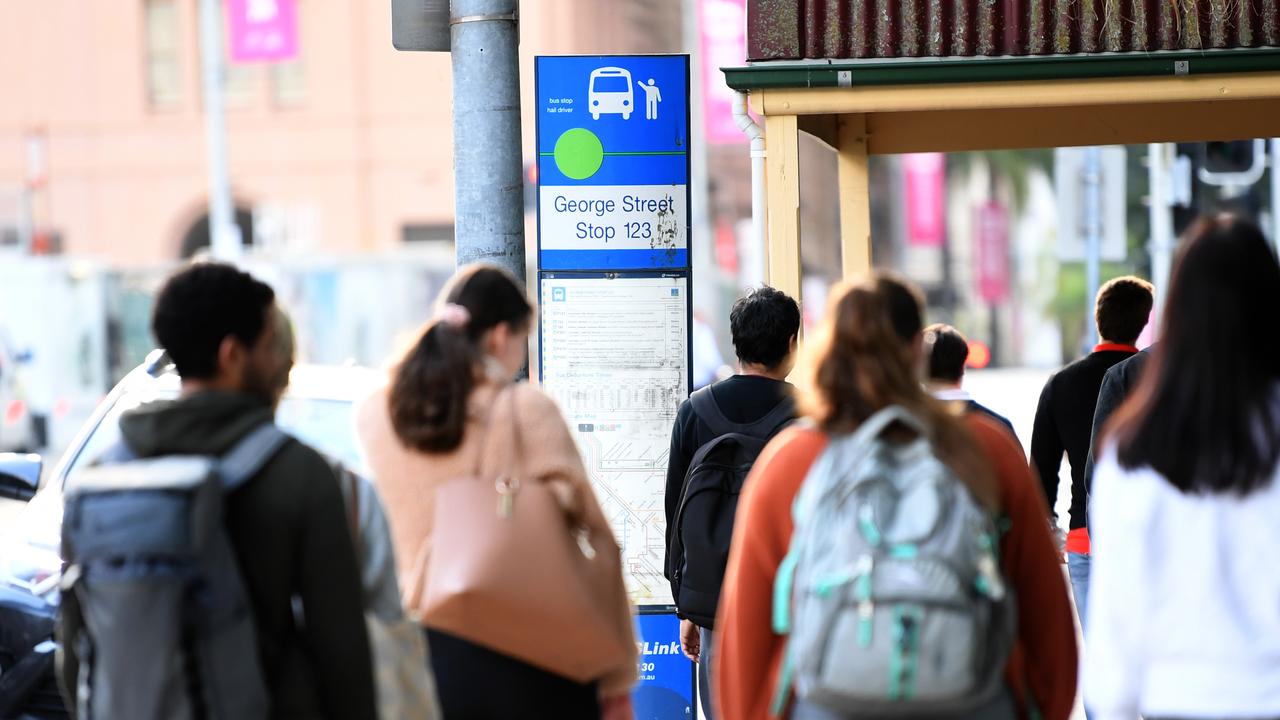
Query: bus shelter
x=872 y=105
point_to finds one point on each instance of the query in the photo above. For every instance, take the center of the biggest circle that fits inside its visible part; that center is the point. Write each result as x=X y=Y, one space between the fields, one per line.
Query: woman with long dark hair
x=446 y=414
x=1184 y=619
x=867 y=357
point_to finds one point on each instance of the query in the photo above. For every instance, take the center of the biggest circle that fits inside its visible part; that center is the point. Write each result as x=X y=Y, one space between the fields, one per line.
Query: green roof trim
x=930 y=71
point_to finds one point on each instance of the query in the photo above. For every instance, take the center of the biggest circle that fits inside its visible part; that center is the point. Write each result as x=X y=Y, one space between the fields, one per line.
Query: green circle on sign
x=579 y=153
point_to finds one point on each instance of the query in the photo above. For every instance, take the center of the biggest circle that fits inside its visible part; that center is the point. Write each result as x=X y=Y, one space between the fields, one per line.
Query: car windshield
x=324 y=424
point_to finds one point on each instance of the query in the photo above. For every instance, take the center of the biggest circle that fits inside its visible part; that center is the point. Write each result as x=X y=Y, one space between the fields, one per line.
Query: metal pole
x=1159 y=179
x=224 y=234
x=1092 y=236
x=488 y=173
x=752 y=272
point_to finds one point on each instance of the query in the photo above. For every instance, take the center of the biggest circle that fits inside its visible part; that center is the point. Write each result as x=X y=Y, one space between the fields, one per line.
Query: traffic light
x=1237 y=164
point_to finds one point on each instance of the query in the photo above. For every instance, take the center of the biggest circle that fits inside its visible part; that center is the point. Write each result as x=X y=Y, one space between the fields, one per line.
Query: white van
x=610 y=92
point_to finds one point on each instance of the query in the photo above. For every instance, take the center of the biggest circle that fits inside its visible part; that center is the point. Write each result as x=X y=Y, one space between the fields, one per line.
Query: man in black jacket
x=946 y=352
x=1117 y=385
x=1064 y=416
x=287 y=524
x=765 y=326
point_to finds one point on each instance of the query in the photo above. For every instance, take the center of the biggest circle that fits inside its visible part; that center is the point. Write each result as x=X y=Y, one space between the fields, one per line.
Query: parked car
x=317 y=409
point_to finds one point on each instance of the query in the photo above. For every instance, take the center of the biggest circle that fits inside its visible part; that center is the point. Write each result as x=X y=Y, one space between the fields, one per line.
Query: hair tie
x=453 y=315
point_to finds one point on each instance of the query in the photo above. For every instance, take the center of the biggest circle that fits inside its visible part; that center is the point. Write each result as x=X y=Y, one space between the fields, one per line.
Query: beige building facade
x=346 y=149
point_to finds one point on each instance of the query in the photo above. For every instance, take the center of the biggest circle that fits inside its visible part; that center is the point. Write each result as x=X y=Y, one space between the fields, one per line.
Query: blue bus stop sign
x=613 y=162
x=666 y=690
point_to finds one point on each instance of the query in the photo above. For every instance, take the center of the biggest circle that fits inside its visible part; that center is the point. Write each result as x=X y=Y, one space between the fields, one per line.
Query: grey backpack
x=891 y=593
x=167 y=628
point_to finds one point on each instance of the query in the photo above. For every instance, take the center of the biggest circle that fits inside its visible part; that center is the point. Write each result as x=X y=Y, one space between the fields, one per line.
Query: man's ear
x=795 y=343
x=231 y=357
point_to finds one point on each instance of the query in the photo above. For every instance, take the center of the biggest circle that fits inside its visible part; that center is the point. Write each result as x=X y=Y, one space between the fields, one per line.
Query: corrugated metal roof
x=845 y=29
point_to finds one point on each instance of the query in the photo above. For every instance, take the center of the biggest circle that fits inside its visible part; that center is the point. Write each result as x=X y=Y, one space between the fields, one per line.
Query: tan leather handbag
x=512 y=571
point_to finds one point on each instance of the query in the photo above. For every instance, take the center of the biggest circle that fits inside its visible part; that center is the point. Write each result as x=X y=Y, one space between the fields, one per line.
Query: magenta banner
x=263 y=30
x=992 y=239
x=722 y=27
x=926 y=195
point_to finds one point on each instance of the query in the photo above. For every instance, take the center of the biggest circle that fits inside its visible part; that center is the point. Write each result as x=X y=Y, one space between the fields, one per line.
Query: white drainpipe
x=753 y=131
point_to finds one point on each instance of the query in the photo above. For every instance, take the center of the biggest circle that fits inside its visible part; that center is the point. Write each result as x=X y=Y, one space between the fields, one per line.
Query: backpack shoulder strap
x=779 y=417
x=705 y=407
x=250 y=454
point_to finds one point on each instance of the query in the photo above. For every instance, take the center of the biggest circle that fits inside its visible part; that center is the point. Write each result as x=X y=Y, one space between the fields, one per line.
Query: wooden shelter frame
x=872 y=107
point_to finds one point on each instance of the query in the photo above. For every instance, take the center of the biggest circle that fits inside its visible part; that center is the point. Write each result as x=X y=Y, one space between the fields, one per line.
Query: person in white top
x=1184 y=613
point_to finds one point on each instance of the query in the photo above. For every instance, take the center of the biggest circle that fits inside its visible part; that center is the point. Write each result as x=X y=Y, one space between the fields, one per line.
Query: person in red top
x=867 y=357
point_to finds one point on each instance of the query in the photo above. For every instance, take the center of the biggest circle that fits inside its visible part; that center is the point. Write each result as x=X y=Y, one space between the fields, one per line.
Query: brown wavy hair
x=862 y=360
x=432 y=383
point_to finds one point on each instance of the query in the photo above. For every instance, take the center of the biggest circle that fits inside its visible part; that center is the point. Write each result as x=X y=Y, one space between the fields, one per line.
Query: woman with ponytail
x=866 y=357
x=428 y=427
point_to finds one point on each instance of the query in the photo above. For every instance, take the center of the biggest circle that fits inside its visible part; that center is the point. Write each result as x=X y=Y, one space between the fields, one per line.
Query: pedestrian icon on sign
x=652 y=96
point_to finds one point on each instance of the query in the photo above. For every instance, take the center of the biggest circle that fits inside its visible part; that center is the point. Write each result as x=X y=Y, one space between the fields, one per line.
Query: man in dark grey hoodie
x=287 y=524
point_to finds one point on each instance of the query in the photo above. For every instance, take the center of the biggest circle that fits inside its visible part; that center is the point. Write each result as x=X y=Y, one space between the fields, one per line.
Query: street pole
x=488 y=172
x=224 y=234
x=1092 y=237
x=1159 y=181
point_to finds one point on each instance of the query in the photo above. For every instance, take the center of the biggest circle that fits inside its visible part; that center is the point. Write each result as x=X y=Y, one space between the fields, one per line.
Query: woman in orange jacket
x=865 y=359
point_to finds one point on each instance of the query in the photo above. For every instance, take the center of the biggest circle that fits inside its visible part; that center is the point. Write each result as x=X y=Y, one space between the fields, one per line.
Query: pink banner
x=926 y=196
x=992 y=239
x=722 y=26
x=263 y=30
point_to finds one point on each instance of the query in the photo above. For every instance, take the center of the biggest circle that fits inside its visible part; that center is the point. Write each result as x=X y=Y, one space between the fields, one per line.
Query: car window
x=325 y=425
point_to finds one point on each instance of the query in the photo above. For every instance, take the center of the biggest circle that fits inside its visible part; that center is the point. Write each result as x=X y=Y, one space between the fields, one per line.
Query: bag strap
x=249 y=455
x=879 y=422
x=708 y=411
x=518 y=436
x=486 y=430
x=780 y=416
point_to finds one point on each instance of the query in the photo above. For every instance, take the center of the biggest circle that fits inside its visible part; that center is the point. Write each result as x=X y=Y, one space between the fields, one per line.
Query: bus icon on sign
x=610 y=93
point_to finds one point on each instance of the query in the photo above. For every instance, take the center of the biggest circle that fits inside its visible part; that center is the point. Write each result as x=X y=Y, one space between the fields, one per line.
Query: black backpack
x=703 y=523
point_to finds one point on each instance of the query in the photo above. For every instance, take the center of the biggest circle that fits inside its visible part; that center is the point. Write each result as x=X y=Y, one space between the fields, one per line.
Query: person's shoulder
x=373 y=406
x=784 y=463
x=1129 y=368
x=534 y=404
x=994 y=438
x=298 y=457
x=1002 y=420
x=1069 y=372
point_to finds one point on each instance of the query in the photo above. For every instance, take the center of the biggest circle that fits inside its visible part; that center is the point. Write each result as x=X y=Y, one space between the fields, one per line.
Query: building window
x=238 y=78
x=237 y=86
x=164 y=64
x=289 y=83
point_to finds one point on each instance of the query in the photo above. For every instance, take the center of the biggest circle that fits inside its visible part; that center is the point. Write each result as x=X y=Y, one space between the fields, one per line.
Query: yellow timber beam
x=782 y=177
x=855 y=196
x=1029 y=94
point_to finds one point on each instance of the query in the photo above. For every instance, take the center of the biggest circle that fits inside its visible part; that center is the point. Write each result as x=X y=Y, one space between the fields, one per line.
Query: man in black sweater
x=765 y=326
x=1064 y=417
x=288 y=524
